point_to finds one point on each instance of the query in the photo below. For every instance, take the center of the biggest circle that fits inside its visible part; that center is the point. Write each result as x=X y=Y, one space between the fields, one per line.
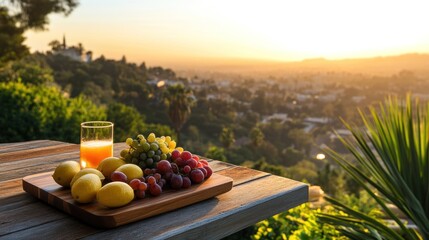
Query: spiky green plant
x=393 y=150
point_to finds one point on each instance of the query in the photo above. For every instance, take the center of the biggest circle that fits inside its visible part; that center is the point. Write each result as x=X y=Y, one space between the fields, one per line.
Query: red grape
x=186 y=169
x=157 y=177
x=196 y=157
x=140 y=193
x=142 y=186
x=197 y=176
x=204 y=162
x=134 y=184
x=186 y=182
x=175 y=168
x=167 y=176
x=204 y=171
x=209 y=171
x=151 y=180
x=176 y=181
x=175 y=154
x=180 y=162
x=155 y=189
x=118 y=177
x=163 y=166
x=200 y=165
x=185 y=155
x=192 y=163
x=147 y=171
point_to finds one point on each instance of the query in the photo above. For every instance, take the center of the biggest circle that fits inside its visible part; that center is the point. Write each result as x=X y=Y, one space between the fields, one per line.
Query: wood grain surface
x=43 y=187
x=255 y=195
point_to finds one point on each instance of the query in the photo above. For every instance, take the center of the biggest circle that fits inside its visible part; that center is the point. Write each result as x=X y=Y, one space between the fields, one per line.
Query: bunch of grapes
x=146 y=153
x=163 y=165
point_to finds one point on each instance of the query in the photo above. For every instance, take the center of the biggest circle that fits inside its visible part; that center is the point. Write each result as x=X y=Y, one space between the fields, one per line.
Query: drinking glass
x=96 y=142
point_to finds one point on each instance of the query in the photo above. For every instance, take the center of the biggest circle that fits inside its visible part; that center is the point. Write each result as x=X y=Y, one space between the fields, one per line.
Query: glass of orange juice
x=96 y=142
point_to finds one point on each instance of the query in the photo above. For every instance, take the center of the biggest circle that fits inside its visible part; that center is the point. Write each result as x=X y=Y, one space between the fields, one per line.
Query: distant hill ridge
x=383 y=65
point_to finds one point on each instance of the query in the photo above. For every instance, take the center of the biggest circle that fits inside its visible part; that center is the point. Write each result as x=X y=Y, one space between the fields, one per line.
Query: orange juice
x=92 y=152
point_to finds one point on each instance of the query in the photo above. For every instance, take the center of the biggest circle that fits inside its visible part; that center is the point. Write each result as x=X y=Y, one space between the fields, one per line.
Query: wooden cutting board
x=43 y=187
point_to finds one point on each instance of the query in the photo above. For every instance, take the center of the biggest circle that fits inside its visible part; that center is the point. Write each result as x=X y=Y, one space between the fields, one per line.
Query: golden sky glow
x=173 y=31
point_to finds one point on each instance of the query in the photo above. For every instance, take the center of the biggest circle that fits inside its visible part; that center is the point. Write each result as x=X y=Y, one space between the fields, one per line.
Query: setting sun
x=272 y=30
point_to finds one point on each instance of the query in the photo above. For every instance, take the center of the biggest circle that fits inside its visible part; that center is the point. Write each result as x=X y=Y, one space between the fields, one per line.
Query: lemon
x=84 y=172
x=108 y=165
x=131 y=170
x=85 y=189
x=115 y=194
x=65 y=172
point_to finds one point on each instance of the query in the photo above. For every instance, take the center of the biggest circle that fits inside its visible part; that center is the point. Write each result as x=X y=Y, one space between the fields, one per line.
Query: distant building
x=73 y=52
x=282 y=117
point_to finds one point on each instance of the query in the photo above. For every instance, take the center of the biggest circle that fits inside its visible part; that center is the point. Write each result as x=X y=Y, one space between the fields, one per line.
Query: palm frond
x=393 y=150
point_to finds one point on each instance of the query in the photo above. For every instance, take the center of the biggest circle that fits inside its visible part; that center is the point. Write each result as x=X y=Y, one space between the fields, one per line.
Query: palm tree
x=393 y=151
x=179 y=101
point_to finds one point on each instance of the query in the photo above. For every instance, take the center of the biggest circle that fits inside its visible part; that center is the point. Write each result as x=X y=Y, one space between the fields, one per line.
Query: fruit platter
x=151 y=176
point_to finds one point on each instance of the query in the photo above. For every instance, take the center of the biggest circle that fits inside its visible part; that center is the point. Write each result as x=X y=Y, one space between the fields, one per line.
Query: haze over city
x=176 y=33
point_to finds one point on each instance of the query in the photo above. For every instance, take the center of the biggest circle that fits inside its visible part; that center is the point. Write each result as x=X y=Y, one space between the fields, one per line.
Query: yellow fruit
x=108 y=165
x=65 y=172
x=84 y=172
x=85 y=189
x=131 y=170
x=115 y=194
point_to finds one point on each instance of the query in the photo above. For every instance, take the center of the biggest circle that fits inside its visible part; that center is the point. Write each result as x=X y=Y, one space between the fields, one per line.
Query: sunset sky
x=168 y=32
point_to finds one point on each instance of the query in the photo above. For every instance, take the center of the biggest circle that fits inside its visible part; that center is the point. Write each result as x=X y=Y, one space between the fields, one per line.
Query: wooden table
x=255 y=196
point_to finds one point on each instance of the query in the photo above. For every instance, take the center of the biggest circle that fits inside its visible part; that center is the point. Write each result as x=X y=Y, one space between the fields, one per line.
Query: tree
x=34 y=14
x=227 y=137
x=21 y=15
x=39 y=112
x=179 y=101
x=128 y=121
x=257 y=136
x=11 y=38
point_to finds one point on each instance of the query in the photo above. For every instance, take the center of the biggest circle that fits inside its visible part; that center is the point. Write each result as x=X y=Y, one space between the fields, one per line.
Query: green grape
x=140 y=137
x=146 y=147
x=158 y=152
x=150 y=153
x=149 y=162
x=129 y=141
x=124 y=152
x=135 y=144
x=154 y=146
x=127 y=158
x=151 y=138
x=168 y=155
x=135 y=153
x=156 y=158
x=143 y=156
x=143 y=141
x=142 y=164
x=134 y=160
x=163 y=156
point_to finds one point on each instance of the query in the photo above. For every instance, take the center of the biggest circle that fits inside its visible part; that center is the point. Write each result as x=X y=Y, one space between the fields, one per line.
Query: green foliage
x=128 y=121
x=216 y=153
x=28 y=70
x=226 y=137
x=393 y=152
x=34 y=14
x=11 y=38
x=298 y=223
x=32 y=112
x=291 y=156
x=304 y=170
x=256 y=136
